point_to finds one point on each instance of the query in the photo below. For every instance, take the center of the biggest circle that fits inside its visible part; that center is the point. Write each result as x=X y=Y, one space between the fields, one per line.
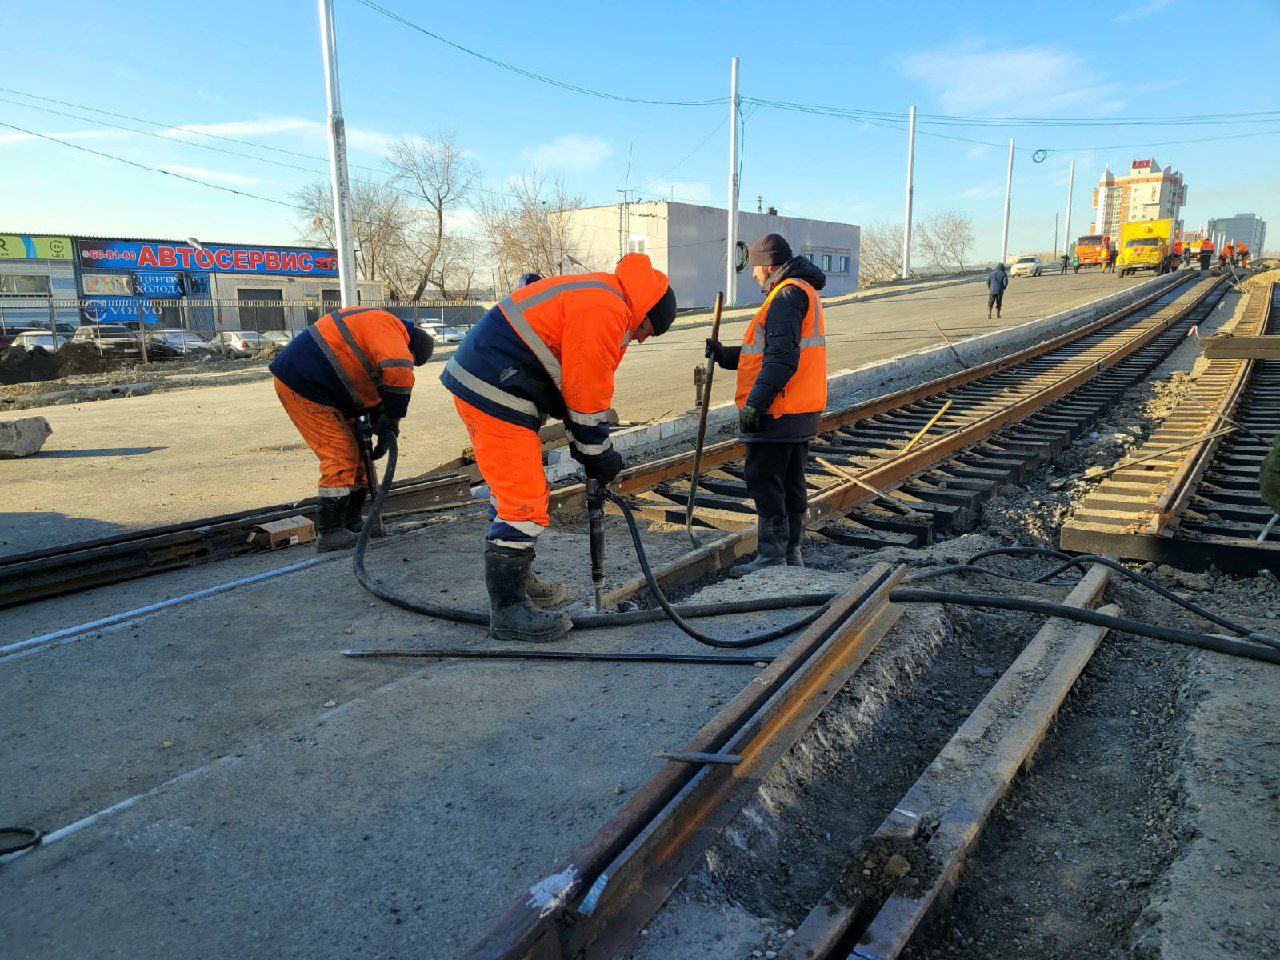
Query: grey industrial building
x=1244 y=227
x=687 y=242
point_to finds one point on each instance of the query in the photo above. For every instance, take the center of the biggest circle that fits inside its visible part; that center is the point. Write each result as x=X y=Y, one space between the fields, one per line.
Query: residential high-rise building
x=1243 y=226
x=1146 y=192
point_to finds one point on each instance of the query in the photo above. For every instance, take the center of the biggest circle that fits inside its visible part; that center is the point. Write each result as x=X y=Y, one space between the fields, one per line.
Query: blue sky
x=252 y=70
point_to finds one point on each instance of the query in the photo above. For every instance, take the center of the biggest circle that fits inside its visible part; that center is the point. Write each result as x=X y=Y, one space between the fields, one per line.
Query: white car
x=44 y=341
x=441 y=333
x=1026 y=267
x=238 y=343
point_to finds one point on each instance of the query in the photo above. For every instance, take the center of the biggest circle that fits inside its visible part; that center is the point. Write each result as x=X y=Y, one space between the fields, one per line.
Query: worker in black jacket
x=782 y=390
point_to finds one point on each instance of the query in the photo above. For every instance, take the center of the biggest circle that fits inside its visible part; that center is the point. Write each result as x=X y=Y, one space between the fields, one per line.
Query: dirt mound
x=78 y=358
x=1260 y=280
x=20 y=365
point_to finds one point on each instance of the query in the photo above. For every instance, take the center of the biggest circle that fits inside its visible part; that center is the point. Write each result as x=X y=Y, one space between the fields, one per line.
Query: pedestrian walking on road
x=997 y=280
x=550 y=348
x=357 y=361
x=782 y=390
x=1066 y=262
x=1112 y=256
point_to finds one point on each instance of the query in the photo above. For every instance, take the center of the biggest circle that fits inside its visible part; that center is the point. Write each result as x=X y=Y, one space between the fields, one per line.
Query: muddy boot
x=331 y=525
x=511 y=615
x=795 y=533
x=544 y=593
x=771 y=546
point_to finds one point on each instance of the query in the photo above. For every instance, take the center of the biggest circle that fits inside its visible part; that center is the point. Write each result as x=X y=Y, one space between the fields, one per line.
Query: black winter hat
x=421 y=345
x=771 y=250
x=663 y=313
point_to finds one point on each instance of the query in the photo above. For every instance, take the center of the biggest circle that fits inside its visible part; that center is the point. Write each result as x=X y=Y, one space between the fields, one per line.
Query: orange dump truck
x=1092 y=249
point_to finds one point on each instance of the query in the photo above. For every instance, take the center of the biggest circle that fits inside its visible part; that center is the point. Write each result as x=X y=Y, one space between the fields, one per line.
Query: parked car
x=442 y=333
x=238 y=343
x=113 y=338
x=11 y=332
x=38 y=338
x=1026 y=267
x=177 y=344
x=278 y=337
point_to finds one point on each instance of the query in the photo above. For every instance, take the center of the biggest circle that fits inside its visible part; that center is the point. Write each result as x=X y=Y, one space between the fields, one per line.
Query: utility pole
x=343 y=237
x=1008 y=191
x=731 y=239
x=911 y=189
x=1071 y=183
x=1055 y=235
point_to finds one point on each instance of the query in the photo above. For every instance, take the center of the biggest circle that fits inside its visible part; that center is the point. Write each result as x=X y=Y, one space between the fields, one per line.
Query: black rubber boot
x=355 y=508
x=331 y=525
x=771 y=546
x=544 y=593
x=511 y=615
x=795 y=533
x=355 y=512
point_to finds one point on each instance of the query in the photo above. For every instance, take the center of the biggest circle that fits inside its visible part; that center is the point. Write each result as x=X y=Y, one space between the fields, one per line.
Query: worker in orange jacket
x=549 y=349
x=1242 y=252
x=1206 y=253
x=781 y=391
x=352 y=362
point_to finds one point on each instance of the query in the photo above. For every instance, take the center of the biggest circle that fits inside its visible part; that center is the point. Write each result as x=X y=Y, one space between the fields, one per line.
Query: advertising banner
x=14 y=247
x=147 y=254
x=117 y=310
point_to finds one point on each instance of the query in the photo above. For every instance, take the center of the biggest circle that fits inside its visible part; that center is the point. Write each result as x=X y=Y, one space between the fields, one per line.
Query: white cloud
x=66 y=135
x=242 y=128
x=1144 y=10
x=983 y=191
x=970 y=77
x=575 y=152
x=218 y=176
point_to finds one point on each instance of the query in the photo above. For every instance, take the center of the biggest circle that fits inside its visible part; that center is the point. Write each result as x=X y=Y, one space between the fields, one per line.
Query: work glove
x=602 y=467
x=384 y=428
x=749 y=419
x=718 y=352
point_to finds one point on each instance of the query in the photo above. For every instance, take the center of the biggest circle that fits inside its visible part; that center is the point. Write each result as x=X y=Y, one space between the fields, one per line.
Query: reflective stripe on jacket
x=552 y=348
x=806 y=391
x=368 y=351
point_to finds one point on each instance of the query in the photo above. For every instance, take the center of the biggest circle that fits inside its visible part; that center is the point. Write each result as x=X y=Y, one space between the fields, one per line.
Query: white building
x=1147 y=192
x=687 y=242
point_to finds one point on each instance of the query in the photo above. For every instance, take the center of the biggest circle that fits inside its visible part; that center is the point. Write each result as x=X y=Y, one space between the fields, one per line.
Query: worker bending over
x=352 y=362
x=549 y=349
x=782 y=389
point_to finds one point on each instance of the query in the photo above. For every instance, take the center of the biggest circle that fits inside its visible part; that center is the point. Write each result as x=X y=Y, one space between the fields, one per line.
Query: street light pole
x=1008 y=191
x=911 y=173
x=338 y=160
x=731 y=239
x=1071 y=183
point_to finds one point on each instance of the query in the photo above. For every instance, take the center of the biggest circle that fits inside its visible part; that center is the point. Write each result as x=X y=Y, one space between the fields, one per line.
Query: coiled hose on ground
x=679 y=615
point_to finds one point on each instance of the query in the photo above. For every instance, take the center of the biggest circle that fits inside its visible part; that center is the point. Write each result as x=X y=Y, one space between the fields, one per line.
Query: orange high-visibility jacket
x=806 y=391
x=368 y=350
x=1206 y=245
x=552 y=348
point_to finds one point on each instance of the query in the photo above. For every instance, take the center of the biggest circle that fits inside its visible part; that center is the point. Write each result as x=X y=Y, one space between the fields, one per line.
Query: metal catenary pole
x=338 y=160
x=911 y=188
x=1008 y=191
x=1066 y=232
x=731 y=240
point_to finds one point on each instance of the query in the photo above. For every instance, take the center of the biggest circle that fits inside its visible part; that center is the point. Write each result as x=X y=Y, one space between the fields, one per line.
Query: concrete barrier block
x=22 y=438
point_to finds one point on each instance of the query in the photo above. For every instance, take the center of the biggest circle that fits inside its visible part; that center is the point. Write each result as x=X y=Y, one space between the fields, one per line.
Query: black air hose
x=589 y=621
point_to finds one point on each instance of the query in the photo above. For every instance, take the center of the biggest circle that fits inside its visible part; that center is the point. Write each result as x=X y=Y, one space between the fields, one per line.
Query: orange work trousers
x=331 y=437
x=510 y=460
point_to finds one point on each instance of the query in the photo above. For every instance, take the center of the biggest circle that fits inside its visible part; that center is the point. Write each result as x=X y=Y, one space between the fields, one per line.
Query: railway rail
x=973 y=430
x=1189 y=495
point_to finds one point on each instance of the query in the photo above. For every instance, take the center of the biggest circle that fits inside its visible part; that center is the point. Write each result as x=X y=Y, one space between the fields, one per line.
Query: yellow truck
x=1144 y=245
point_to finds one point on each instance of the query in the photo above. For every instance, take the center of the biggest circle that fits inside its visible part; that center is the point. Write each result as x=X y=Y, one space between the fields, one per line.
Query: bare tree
x=880 y=256
x=441 y=176
x=527 y=230
x=381 y=220
x=946 y=238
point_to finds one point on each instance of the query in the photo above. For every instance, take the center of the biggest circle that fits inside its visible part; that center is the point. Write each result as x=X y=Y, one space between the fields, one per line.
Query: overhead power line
x=541 y=78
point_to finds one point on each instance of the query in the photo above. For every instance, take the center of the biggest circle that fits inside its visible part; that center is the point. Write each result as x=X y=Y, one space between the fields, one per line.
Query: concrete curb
x=845 y=387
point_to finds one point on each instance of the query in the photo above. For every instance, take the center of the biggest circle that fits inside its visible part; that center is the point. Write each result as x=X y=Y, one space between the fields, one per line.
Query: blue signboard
x=160 y=255
x=117 y=310
x=163 y=285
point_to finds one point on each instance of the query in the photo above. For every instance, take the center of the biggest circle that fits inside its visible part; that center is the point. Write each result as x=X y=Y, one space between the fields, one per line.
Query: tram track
x=1189 y=495
x=1002 y=419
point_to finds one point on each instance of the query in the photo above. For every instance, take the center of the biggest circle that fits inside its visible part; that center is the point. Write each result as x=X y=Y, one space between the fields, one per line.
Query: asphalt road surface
x=140 y=461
